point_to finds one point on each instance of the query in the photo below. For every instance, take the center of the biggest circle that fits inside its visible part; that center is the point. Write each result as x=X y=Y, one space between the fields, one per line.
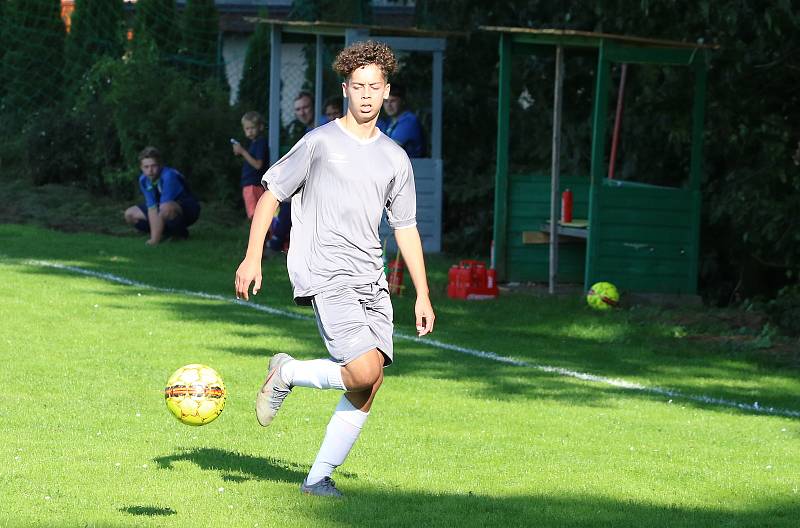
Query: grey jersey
x=340 y=186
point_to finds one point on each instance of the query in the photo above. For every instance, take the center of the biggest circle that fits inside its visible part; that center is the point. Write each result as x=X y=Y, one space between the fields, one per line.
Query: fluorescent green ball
x=603 y=296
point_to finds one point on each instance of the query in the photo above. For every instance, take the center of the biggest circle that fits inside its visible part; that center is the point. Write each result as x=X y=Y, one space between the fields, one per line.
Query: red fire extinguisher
x=566 y=206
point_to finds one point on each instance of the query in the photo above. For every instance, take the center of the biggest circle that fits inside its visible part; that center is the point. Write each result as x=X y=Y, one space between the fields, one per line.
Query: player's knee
x=169 y=210
x=365 y=377
x=131 y=216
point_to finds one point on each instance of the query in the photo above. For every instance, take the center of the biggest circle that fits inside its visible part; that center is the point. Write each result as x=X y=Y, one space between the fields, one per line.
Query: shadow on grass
x=148 y=511
x=370 y=507
x=236 y=467
x=367 y=505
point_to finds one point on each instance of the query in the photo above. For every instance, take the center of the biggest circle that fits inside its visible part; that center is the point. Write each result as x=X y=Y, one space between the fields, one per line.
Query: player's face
x=304 y=111
x=150 y=168
x=365 y=91
x=393 y=105
x=251 y=130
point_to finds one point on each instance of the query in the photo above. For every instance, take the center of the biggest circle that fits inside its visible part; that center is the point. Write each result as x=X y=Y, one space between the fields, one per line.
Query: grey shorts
x=353 y=320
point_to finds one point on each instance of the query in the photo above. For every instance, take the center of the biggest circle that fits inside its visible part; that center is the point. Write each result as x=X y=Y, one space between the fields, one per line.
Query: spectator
x=254 y=160
x=304 y=111
x=169 y=207
x=402 y=125
x=333 y=108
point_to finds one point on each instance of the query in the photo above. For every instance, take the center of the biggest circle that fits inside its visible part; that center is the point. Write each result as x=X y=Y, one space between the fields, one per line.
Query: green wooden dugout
x=641 y=237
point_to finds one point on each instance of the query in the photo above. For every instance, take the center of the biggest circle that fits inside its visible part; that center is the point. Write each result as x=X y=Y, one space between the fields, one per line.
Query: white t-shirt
x=340 y=186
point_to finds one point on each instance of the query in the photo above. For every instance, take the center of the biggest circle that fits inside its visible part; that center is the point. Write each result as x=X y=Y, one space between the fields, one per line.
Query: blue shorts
x=190 y=212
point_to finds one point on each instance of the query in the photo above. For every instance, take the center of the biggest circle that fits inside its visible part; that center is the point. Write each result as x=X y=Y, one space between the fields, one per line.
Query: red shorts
x=251 y=194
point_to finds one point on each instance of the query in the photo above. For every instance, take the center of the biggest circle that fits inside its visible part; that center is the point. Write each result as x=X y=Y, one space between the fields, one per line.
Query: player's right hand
x=249 y=272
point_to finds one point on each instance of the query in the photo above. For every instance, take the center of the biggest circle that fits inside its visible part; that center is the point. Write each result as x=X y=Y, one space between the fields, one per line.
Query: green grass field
x=453 y=439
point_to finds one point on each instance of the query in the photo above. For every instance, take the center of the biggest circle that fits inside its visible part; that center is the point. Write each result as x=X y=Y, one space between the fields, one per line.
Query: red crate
x=470 y=279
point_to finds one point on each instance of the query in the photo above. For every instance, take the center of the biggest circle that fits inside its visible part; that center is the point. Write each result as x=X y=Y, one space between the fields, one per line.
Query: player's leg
x=341 y=434
x=363 y=377
x=136 y=215
x=176 y=221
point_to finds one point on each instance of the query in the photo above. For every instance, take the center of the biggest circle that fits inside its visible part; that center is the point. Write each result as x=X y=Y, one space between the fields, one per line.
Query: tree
x=157 y=22
x=98 y=30
x=33 y=47
x=2 y=45
x=201 y=46
x=254 y=86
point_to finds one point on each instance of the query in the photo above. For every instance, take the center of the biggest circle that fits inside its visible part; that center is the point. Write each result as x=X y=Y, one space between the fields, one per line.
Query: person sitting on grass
x=169 y=207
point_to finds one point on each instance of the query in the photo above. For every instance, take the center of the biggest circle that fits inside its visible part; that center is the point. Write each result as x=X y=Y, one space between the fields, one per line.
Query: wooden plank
x=572 y=37
x=638 y=55
x=629 y=250
x=535 y=237
x=542 y=237
x=638 y=234
x=642 y=217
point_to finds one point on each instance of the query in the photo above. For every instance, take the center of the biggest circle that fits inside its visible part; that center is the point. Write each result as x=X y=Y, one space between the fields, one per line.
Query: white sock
x=316 y=373
x=342 y=433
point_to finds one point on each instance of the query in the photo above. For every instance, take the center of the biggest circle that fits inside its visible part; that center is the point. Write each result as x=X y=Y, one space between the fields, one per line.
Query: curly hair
x=362 y=54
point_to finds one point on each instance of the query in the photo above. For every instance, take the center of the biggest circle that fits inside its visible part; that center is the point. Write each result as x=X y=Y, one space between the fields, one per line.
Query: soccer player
x=341 y=177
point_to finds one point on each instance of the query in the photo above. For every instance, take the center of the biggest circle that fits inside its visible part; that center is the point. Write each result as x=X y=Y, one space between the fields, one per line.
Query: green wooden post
x=501 y=172
x=599 y=119
x=696 y=165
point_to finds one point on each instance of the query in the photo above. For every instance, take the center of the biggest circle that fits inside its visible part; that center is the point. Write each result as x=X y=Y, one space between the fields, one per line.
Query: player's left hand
x=424 y=315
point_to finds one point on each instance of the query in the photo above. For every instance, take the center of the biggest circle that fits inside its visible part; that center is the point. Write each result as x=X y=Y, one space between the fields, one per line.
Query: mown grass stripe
x=483 y=354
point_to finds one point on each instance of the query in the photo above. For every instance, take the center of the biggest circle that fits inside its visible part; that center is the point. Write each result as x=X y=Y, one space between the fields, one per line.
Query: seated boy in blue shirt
x=169 y=207
x=402 y=125
x=254 y=160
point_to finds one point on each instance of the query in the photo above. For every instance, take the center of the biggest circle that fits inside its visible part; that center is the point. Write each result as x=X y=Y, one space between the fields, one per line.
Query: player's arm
x=156 y=225
x=249 y=271
x=411 y=248
x=257 y=164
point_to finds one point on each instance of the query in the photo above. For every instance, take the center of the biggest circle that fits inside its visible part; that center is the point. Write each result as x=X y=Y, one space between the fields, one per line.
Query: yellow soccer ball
x=603 y=296
x=195 y=394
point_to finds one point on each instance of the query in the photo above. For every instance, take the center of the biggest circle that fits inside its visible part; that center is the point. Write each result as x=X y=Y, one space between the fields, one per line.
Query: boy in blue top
x=402 y=125
x=254 y=158
x=169 y=207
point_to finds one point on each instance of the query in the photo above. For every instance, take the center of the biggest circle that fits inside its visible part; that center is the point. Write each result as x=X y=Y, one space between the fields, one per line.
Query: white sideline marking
x=619 y=383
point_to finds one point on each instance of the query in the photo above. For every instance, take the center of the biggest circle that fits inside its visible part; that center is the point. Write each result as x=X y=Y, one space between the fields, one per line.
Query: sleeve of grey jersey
x=289 y=174
x=401 y=207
